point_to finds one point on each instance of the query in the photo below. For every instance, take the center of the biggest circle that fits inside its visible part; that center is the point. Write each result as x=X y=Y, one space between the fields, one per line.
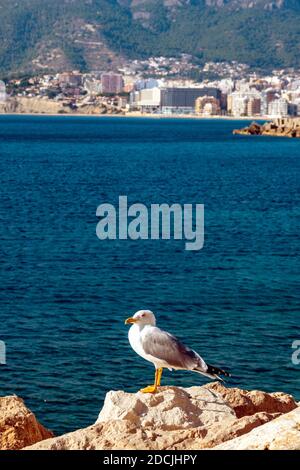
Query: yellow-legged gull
x=164 y=350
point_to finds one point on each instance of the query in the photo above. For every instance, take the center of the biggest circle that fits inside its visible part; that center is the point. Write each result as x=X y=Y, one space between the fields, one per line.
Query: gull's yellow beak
x=130 y=320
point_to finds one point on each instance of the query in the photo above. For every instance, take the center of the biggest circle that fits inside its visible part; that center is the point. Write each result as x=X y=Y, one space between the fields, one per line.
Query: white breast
x=134 y=336
x=135 y=340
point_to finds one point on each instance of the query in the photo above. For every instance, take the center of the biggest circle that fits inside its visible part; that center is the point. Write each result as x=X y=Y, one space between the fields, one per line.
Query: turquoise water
x=65 y=294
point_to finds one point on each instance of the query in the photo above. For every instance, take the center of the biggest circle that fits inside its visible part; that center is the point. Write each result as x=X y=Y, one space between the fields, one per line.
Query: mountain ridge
x=100 y=34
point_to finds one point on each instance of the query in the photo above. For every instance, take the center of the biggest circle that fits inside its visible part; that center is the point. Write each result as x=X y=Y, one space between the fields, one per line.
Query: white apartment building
x=278 y=108
x=238 y=102
x=297 y=103
x=147 y=99
x=2 y=91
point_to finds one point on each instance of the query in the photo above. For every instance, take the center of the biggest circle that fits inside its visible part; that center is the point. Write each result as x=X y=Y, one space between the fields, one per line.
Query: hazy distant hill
x=97 y=34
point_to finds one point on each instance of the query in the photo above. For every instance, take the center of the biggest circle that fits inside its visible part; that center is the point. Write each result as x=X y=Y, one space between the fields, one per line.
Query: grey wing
x=168 y=348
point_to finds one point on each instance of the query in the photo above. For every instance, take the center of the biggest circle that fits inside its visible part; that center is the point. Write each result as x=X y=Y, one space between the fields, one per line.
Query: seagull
x=164 y=350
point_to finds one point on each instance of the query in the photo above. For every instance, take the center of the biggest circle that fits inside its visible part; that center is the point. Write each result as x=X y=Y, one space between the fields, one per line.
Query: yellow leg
x=153 y=388
x=159 y=374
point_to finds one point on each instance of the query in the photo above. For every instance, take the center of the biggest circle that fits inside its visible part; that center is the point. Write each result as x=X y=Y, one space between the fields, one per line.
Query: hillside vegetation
x=98 y=34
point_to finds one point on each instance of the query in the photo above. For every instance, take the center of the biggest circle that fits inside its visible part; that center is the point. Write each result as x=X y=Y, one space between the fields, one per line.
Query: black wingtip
x=216 y=371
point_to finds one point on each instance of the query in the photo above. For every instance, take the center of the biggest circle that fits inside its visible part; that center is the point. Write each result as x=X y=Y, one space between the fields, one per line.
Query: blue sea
x=65 y=294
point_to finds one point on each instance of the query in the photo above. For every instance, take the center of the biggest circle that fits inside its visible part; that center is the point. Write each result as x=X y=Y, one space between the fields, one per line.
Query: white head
x=142 y=318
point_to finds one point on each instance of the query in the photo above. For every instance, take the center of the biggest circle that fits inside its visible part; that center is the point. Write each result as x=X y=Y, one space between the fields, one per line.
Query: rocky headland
x=43 y=105
x=283 y=127
x=207 y=417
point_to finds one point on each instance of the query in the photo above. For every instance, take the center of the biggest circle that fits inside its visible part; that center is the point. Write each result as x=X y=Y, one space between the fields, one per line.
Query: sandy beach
x=143 y=115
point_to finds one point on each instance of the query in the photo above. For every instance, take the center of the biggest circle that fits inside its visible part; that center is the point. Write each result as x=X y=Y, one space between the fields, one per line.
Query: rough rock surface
x=125 y=434
x=24 y=105
x=169 y=409
x=175 y=418
x=282 y=433
x=280 y=127
x=246 y=403
x=18 y=425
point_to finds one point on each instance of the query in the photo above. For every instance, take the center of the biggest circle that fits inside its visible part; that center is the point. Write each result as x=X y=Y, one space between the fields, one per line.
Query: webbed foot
x=149 y=389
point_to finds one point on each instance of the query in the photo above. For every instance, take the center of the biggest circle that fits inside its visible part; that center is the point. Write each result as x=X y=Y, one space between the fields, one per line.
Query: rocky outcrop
x=170 y=409
x=25 y=105
x=43 y=105
x=247 y=403
x=175 y=418
x=281 y=434
x=18 y=425
x=126 y=435
x=284 y=127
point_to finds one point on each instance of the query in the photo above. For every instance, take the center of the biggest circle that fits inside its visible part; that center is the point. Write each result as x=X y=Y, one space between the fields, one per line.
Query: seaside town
x=159 y=86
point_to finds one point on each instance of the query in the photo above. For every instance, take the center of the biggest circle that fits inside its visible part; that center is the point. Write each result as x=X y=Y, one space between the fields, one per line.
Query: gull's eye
x=143 y=315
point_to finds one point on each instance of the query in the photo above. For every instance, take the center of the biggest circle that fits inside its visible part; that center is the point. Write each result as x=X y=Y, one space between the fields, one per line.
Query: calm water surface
x=65 y=294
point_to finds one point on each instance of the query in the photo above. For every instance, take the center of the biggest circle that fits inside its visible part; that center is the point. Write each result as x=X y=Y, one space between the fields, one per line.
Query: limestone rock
x=170 y=409
x=246 y=403
x=111 y=435
x=281 y=127
x=254 y=128
x=204 y=438
x=18 y=425
x=173 y=419
x=125 y=435
x=282 y=433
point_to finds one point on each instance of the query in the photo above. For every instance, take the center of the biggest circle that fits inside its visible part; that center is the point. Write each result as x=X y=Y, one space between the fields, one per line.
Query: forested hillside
x=38 y=35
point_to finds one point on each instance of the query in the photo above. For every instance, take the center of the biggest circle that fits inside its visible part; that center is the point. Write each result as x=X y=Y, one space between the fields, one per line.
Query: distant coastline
x=141 y=115
x=24 y=106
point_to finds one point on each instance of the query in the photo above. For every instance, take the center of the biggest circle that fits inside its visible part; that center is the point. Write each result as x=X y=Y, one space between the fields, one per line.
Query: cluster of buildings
x=265 y=102
x=162 y=67
x=254 y=96
x=240 y=92
x=177 y=99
